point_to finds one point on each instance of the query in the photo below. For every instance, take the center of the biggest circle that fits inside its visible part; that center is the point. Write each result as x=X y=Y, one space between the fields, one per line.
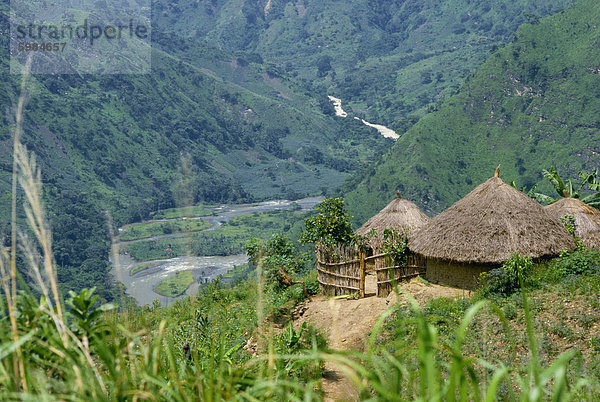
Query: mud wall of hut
x=464 y=276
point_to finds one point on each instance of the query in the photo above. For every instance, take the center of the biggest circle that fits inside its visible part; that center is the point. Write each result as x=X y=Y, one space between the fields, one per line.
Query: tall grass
x=85 y=351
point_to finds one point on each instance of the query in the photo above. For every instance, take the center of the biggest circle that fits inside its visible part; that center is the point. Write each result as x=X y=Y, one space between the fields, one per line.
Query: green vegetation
x=580 y=262
x=141 y=268
x=228 y=239
x=88 y=351
x=235 y=108
x=240 y=342
x=388 y=61
x=331 y=225
x=144 y=230
x=176 y=285
x=279 y=260
x=569 y=189
x=528 y=106
x=183 y=352
x=236 y=271
x=431 y=353
x=395 y=244
x=518 y=341
x=171 y=213
x=200 y=128
x=508 y=279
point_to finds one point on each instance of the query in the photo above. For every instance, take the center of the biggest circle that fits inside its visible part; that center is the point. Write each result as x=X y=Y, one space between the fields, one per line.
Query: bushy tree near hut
x=330 y=226
x=280 y=259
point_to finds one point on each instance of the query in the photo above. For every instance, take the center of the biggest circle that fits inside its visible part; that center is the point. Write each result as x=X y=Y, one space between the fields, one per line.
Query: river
x=205 y=268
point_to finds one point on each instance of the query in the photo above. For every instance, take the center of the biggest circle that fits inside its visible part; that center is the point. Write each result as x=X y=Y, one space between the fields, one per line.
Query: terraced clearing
x=146 y=230
x=228 y=239
x=172 y=213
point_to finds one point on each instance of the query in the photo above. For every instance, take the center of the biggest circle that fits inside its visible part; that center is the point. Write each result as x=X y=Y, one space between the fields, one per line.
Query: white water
x=383 y=130
x=337 y=105
x=386 y=132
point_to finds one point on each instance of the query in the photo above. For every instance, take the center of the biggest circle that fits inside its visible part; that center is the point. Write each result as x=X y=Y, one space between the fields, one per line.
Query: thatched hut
x=587 y=219
x=399 y=214
x=483 y=230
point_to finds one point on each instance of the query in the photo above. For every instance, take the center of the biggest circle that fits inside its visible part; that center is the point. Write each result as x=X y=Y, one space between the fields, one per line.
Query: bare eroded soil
x=347 y=323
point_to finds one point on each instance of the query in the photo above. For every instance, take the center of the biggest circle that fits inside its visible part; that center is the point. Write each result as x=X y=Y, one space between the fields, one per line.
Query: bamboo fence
x=388 y=274
x=341 y=271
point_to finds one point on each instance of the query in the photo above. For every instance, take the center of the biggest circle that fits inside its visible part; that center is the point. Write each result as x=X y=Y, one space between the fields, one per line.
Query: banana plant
x=563 y=188
x=539 y=197
x=593 y=184
x=568 y=188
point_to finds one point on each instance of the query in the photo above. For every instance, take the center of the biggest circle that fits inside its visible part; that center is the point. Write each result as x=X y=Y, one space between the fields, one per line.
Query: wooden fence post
x=362 y=275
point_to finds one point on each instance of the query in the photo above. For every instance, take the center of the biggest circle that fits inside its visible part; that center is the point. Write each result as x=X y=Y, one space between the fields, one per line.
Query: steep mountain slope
x=532 y=104
x=387 y=60
x=205 y=125
x=126 y=134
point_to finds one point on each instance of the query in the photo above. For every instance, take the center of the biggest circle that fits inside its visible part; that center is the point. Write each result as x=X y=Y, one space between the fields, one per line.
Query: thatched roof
x=587 y=219
x=492 y=222
x=399 y=214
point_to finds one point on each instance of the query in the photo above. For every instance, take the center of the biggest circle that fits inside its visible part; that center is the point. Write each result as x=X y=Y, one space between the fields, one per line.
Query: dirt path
x=347 y=323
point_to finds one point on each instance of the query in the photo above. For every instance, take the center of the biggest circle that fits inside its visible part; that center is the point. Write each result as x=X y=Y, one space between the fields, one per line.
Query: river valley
x=141 y=284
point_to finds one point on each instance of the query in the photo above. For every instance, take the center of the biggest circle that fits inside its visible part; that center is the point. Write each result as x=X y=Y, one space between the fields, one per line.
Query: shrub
x=585 y=319
x=579 y=262
x=561 y=330
x=280 y=259
x=595 y=344
x=568 y=222
x=445 y=313
x=331 y=225
x=510 y=311
x=395 y=244
x=505 y=280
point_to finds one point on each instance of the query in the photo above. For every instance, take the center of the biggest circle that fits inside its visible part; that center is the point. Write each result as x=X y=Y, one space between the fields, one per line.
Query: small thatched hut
x=399 y=214
x=483 y=230
x=587 y=219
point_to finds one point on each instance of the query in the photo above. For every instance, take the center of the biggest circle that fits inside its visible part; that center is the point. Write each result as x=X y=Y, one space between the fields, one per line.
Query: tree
x=323 y=65
x=569 y=189
x=280 y=260
x=330 y=226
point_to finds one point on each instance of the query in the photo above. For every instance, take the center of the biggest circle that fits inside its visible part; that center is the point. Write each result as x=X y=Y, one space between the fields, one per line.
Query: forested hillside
x=533 y=104
x=205 y=125
x=235 y=107
x=220 y=297
x=387 y=60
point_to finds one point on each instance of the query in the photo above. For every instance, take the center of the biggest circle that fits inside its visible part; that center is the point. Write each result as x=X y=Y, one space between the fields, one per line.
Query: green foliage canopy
x=278 y=256
x=395 y=244
x=331 y=225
